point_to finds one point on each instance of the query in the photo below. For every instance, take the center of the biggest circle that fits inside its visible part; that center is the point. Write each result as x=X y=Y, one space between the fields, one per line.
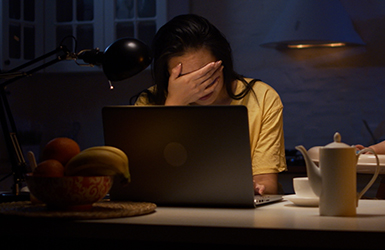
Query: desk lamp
x=122 y=59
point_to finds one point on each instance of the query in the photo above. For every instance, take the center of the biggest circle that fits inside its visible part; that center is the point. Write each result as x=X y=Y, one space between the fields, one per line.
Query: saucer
x=302 y=201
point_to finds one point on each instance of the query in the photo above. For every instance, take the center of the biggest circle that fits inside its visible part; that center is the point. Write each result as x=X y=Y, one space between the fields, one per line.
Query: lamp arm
x=38 y=59
x=7 y=121
x=14 y=151
x=59 y=58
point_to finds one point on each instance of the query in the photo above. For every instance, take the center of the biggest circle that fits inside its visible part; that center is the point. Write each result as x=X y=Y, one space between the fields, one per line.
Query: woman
x=193 y=66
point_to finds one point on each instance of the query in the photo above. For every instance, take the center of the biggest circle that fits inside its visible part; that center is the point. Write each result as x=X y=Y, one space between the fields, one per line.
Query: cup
x=302 y=187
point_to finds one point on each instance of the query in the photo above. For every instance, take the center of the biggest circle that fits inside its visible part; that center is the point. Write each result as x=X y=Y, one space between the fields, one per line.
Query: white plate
x=302 y=201
x=366 y=162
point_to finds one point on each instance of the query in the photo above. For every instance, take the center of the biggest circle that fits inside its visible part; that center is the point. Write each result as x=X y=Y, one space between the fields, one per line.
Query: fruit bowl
x=69 y=192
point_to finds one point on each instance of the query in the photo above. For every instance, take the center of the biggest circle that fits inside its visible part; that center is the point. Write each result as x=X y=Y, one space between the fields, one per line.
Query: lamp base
x=9 y=197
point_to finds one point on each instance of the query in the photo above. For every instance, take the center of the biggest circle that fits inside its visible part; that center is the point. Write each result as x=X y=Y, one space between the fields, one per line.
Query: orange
x=61 y=149
x=49 y=168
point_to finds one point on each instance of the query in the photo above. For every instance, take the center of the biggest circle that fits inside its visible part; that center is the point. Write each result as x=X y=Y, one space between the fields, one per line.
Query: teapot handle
x=376 y=172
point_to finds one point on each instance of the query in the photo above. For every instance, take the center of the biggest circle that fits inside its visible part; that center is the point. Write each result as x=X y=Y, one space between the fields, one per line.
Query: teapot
x=335 y=180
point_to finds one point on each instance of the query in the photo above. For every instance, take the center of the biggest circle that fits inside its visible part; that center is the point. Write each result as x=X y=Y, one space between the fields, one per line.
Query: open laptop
x=184 y=155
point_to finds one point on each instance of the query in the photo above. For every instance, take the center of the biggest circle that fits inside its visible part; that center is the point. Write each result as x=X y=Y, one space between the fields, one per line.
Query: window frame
x=45 y=37
x=4 y=43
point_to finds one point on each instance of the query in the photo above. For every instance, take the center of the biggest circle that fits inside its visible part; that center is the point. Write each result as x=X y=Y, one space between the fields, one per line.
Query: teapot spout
x=313 y=171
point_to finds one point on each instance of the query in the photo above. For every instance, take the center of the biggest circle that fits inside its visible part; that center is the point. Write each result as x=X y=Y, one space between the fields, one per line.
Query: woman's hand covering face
x=196 y=77
x=186 y=88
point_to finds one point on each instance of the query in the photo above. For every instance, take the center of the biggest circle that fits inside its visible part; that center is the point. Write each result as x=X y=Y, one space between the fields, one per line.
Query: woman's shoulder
x=143 y=98
x=261 y=95
x=259 y=86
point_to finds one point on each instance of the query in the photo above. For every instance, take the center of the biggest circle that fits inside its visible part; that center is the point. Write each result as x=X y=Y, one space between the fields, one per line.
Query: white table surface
x=271 y=226
x=281 y=215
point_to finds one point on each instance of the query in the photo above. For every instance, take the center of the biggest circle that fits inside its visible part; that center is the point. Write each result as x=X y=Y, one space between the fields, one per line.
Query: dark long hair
x=181 y=34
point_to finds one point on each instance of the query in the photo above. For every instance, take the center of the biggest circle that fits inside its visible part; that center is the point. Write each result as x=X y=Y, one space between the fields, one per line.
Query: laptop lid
x=183 y=155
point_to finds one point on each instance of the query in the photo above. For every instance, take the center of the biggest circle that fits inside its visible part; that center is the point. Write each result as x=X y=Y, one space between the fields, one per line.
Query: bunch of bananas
x=99 y=160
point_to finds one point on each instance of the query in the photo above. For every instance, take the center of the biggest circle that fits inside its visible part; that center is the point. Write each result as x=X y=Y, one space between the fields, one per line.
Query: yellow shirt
x=265 y=124
x=266 y=128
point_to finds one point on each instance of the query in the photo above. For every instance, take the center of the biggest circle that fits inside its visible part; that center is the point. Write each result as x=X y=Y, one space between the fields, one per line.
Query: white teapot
x=335 y=180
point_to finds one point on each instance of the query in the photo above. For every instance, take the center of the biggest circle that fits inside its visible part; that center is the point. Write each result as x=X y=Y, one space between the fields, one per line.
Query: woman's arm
x=379 y=148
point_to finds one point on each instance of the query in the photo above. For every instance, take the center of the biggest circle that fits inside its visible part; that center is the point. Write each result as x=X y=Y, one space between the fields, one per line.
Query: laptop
x=184 y=155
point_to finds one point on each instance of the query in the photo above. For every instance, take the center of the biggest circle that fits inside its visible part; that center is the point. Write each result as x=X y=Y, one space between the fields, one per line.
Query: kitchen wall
x=323 y=90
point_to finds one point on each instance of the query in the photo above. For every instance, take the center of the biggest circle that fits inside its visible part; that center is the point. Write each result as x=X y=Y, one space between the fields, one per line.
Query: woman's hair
x=185 y=33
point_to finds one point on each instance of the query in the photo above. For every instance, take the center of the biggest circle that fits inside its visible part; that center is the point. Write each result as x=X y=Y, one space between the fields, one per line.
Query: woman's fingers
x=176 y=71
x=207 y=71
x=259 y=189
x=213 y=79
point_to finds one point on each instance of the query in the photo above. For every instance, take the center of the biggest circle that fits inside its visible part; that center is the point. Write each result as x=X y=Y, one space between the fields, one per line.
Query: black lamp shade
x=125 y=58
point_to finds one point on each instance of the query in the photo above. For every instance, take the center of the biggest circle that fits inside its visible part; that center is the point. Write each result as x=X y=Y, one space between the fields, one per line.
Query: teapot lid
x=337 y=142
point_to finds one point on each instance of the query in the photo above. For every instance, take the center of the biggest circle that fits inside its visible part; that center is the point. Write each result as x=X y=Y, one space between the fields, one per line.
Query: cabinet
x=32 y=28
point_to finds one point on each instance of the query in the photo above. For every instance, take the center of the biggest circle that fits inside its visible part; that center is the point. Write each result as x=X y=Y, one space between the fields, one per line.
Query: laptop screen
x=183 y=155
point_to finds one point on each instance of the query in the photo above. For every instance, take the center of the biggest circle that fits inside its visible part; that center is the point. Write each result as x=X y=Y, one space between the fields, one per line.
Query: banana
x=109 y=148
x=99 y=160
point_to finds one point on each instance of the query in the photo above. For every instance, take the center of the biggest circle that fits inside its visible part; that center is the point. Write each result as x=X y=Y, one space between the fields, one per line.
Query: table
x=271 y=226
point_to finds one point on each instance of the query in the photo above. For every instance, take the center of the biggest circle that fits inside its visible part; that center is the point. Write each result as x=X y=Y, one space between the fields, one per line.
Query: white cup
x=302 y=187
